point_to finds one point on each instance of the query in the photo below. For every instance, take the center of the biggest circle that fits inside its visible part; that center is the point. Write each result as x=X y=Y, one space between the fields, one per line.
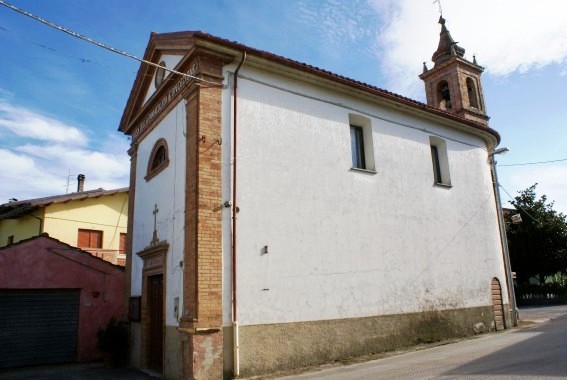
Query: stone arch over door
x=497 y=304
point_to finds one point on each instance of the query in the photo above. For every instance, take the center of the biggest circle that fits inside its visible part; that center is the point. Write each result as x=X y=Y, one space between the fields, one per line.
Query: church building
x=282 y=216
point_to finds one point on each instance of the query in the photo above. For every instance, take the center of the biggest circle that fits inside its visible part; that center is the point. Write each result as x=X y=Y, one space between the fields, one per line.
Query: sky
x=61 y=99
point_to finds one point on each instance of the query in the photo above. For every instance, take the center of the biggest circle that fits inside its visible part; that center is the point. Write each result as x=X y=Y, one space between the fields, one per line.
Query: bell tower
x=453 y=84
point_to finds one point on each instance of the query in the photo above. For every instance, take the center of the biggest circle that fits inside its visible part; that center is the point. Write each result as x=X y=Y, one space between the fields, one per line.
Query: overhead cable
x=99 y=44
x=535 y=163
x=516 y=205
x=83 y=60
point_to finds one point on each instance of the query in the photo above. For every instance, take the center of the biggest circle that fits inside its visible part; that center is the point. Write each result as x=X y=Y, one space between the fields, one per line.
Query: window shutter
x=84 y=238
x=122 y=247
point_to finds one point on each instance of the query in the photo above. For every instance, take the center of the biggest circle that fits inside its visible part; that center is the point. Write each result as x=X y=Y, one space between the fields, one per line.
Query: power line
x=52 y=50
x=82 y=221
x=531 y=163
x=517 y=206
x=99 y=44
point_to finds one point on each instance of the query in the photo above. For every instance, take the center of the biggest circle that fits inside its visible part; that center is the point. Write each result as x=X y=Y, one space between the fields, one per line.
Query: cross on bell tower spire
x=453 y=84
x=438 y=2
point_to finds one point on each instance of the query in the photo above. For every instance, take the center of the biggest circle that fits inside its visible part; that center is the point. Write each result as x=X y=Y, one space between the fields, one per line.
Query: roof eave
x=490 y=136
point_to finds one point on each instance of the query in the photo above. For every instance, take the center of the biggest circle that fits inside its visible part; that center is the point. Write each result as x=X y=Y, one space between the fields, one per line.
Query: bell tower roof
x=453 y=84
x=447 y=47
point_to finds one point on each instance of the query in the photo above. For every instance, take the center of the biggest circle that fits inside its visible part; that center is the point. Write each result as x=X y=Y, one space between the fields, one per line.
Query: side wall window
x=89 y=238
x=440 y=161
x=122 y=243
x=361 y=143
x=357 y=147
x=159 y=159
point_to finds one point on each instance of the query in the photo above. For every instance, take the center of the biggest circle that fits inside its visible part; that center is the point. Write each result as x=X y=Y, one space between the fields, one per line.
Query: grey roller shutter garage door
x=38 y=327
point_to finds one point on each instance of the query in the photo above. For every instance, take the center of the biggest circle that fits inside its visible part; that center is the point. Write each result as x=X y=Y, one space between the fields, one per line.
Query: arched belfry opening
x=453 y=84
x=471 y=90
x=444 y=95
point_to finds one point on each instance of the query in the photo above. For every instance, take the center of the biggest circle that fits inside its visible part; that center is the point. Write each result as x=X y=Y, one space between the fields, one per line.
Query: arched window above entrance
x=159 y=159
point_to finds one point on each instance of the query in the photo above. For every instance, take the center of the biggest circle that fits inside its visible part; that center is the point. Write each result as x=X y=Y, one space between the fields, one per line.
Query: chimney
x=80 y=183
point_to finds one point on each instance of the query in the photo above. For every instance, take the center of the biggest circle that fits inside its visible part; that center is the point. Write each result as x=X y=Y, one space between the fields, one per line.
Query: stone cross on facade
x=155 y=238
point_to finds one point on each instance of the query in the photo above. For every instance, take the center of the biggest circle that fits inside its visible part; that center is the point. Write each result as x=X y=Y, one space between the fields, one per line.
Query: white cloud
x=23 y=178
x=506 y=35
x=79 y=160
x=28 y=124
x=337 y=22
x=41 y=166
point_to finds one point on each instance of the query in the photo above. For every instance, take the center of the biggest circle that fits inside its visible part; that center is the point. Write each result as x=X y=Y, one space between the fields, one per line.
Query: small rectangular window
x=357 y=147
x=440 y=161
x=10 y=240
x=436 y=168
x=89 y=239
x=122 y=248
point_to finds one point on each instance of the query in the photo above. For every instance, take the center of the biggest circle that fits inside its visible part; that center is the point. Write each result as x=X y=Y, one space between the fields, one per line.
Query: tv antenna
x=69 y=175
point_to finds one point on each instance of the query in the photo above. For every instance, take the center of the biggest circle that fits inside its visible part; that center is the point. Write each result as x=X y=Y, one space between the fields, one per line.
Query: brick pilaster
x=133 y=152
x=201 y=325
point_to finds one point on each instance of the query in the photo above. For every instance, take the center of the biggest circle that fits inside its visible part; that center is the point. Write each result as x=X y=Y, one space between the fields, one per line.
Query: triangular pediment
x=166 y=48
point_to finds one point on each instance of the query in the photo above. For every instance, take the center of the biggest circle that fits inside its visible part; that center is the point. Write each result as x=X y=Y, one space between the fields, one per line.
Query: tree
x=538 y=245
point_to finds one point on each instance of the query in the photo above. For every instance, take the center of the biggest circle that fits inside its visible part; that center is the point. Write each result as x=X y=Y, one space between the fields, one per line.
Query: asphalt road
x=538 y=351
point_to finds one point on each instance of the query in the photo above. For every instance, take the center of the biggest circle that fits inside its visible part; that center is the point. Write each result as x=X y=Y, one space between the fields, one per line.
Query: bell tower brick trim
x=453 y=84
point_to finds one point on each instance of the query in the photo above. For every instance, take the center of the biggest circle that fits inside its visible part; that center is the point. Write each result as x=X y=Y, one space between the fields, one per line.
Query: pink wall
x=46 y=263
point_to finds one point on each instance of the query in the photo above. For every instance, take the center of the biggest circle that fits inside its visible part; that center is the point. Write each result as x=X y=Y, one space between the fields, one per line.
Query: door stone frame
x=155 y=263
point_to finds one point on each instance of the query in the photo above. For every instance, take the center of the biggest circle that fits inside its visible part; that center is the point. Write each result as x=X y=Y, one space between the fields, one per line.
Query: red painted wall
x=46 y=263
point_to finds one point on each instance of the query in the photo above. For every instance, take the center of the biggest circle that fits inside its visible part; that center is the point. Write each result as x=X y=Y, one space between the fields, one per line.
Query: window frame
x=159 y=75
x=357 y=147
x=440 y=162
x=154 y=170
x=100 y=234
x=122 y=242
x=361 y=144
x=437 y=174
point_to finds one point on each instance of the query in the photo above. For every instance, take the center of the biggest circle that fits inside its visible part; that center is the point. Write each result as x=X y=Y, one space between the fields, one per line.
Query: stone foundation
x=274 y=347
x=172 y=353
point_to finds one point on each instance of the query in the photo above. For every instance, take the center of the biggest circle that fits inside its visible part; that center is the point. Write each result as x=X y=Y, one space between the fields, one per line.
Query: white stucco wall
x=344 y=243
x=167 y=190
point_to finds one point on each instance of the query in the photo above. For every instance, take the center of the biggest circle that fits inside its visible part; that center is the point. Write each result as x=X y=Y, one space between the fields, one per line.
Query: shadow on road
x=544 y=354
x=73 y=371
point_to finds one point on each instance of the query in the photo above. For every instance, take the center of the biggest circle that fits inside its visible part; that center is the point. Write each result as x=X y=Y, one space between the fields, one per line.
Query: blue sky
x=61 y=99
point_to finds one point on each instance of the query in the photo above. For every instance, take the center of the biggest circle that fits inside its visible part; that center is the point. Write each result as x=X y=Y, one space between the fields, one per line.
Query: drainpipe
x=235 y=335
x=40 y=229
x=503 y=238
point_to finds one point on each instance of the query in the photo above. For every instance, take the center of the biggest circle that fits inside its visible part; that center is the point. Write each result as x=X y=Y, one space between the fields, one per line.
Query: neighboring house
x=284 y=216
x=93 y=220
x=53 y=299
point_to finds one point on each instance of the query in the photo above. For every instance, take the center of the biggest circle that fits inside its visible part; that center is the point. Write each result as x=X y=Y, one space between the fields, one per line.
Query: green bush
x=557 y=289
x=114 y=338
